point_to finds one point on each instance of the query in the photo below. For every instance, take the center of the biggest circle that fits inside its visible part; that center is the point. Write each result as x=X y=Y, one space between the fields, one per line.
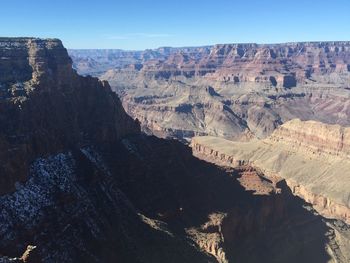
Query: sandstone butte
x=313 y=158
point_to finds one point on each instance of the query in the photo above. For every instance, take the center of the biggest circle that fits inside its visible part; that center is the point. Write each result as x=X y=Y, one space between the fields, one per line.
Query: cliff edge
x=46 y=107
x=312 y=157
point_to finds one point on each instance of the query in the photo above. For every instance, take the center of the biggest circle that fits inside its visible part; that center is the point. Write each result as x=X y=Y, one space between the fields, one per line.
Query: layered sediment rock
x=282 y=65
x=315 y=136
x=312 y=157
x=83 y=185
x=255 y=87
x=47 y=108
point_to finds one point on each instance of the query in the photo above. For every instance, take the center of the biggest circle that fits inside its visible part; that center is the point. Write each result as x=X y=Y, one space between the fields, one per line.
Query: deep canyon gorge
x=225 y=153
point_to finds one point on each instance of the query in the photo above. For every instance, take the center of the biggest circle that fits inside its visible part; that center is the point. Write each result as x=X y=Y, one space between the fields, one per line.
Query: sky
x=137 y=25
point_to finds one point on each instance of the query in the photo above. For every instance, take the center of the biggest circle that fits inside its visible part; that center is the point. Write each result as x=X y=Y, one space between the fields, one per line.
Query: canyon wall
x=315 y=136
x=278 y=65
x=312 y=157
x=284 y=65
x=47 y=108
x=227 y=90
x=80 y=183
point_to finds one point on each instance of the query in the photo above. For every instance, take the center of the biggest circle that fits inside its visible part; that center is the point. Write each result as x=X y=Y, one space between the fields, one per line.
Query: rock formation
x=228 y=89
x=47 y=108
x=318 y=138
x=80 y=183
x=312 y=157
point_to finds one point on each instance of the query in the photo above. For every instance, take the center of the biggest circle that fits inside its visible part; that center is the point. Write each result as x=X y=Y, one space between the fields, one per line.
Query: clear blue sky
x=149 y=24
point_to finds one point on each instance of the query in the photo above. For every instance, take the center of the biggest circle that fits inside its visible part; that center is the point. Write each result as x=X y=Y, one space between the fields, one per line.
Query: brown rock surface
x=249 y=86
x=47 y=108
x=234 y=215
x=315 y=136
x=91 y=188
x=312 y=157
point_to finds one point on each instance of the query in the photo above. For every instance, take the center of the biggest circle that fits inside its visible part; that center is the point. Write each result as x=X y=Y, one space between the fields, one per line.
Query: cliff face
x=252 y=87
x=312 y=157
x=280 y=65
x=57 y=194
x=82 y=184
x=283 y=65
x=47 y=108
x=315 y=136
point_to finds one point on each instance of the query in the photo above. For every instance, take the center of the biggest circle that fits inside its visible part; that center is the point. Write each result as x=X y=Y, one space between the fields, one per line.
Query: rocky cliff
x=80 y=183
x=278 y=65
x=318 y=138
x=251 y=87
x=59 y=201
x=312 y=157
x=47 y=108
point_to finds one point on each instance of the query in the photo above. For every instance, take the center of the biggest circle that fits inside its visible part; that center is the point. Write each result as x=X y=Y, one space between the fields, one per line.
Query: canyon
x=312 y=157
x=81 y=181
x=229 y=90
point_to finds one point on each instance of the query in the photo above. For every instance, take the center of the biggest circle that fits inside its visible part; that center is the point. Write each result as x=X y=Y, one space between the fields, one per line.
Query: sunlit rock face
x=312 y=157
x=80 y=183
x=253 y=88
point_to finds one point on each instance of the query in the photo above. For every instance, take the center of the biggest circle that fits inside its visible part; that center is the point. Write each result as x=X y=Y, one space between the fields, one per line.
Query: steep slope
x=47 y=108
x=253 y=87
x=312 y=157
x=82 y=184
x=95 y=62
x=57 y=194
x=237 y=215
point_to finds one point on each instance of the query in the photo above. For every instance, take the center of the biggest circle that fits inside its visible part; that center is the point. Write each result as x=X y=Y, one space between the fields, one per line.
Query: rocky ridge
x=278 y=65
x=312 y=157
x=249 y=87
x=91 y=188
x=316 y=137
x=96 y=61
x=47 y=108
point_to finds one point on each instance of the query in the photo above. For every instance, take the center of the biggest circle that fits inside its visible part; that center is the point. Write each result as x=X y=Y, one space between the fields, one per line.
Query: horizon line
x=223 y=44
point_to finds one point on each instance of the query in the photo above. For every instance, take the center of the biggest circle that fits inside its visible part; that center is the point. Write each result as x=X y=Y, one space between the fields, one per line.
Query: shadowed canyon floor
x=156 y=202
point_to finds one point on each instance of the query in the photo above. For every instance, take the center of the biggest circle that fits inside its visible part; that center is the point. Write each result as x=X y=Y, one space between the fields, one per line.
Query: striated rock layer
x=318 y=138
x=227 y=90
x=47 y=108
x=282 y=65
x=80 y=183
x=312 y=157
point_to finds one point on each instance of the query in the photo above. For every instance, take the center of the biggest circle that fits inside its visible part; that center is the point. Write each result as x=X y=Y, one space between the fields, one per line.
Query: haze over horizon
x=111 y=24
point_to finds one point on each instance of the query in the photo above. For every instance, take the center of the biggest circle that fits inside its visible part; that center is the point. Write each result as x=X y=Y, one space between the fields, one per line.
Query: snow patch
x=25 y=206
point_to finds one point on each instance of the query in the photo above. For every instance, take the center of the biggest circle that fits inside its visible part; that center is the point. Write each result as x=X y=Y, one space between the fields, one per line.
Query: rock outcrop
x=254 y=87
x=318 y=138
x=47 y=108
x=80 y=183
x=278 y=65
x=312 y=157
